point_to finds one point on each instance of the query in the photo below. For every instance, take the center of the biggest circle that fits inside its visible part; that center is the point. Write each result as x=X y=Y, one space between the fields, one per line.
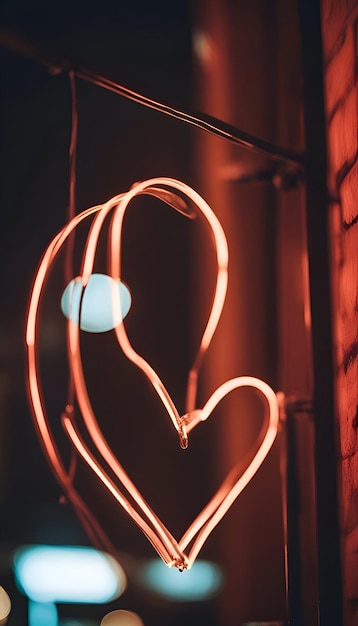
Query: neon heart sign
x=180 y=553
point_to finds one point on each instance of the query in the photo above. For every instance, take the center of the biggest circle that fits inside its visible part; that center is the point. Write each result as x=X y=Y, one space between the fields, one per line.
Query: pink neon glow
x=90 y=524
x=221 y=250
x=232 y=486
x=83 y=450
x=171 y=551
x=100 y=442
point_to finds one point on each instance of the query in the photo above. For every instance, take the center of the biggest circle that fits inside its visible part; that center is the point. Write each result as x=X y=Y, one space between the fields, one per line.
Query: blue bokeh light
x=42 y=614
x=105 y=303
x=202 y=581
x=68 y=574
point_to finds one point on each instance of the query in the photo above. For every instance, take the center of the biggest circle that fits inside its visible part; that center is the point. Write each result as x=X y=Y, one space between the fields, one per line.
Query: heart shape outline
x=167 y=547
x=171 y=551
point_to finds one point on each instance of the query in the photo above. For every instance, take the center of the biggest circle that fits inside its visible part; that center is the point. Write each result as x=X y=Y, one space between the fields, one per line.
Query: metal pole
x=329 y=566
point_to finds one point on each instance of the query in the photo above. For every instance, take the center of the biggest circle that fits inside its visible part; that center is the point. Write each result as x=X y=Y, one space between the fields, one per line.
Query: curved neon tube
x=83 y=450
x=171 y=551
x=227 y=494
x=90 y=524
x=222 y=500
x=221 y=250
x=121 y=203
x=34 y=384
x=100 y=441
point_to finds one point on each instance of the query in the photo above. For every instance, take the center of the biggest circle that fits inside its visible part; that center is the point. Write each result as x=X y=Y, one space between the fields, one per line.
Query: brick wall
x=340 y=43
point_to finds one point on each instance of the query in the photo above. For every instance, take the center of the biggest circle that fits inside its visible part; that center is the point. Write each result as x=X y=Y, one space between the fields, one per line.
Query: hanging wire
x=68 y=264
x=210 y=124
x=73 y=148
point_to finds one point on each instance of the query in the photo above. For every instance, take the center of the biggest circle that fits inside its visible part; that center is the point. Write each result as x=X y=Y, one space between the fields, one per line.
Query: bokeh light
x=200 y=582
x=68 y=574
x=121 y=618
x=105 y=303
x=5 y=606
x=42 y=614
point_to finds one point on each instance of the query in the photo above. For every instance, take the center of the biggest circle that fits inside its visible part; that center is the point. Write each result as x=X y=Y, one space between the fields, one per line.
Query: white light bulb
x=105 y=303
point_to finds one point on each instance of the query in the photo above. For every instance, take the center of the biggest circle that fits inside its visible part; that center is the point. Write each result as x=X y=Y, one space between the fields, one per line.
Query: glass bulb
x=105 y=303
